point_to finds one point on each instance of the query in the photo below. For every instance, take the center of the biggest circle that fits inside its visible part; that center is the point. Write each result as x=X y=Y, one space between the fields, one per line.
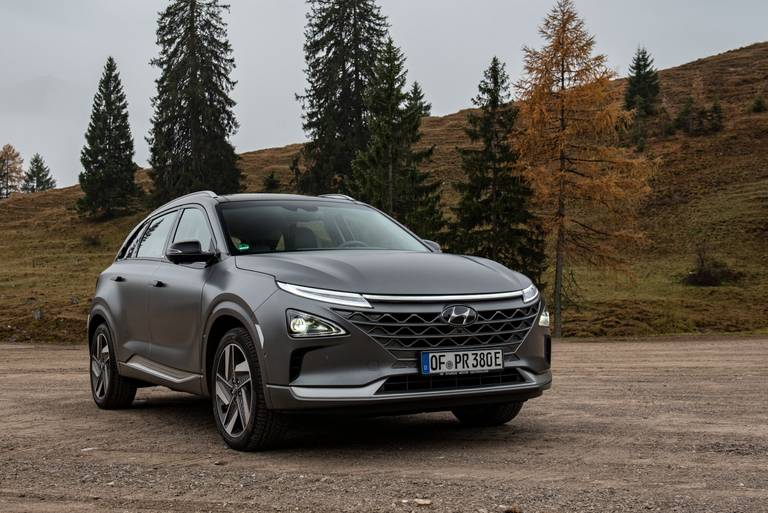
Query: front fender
x=232 y=308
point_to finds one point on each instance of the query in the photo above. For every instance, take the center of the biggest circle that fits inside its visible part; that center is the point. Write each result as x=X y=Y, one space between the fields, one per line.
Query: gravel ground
x=668 y=426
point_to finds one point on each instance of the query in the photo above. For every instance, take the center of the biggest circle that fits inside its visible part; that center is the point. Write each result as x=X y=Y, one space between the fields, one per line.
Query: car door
x=176 y=298
x=131 y=277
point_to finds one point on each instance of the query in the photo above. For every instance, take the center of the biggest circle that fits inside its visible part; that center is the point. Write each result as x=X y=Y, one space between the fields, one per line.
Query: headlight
x=303 y=325
x=530 y=293
x=326 y=296
x=544 y=319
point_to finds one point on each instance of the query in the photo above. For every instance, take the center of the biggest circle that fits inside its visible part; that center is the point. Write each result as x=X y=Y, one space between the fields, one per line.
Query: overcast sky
x=53 y=51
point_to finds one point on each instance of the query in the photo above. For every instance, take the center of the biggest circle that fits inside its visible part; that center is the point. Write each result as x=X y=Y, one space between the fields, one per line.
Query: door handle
x=117 y=278
x=158 y=283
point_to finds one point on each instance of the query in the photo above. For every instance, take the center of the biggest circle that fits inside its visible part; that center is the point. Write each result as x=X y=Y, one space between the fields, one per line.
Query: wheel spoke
x=227 y=365
x=246 y=406
x=95 y=367
x=231 y=417
x=243 y=367
x=222 y=390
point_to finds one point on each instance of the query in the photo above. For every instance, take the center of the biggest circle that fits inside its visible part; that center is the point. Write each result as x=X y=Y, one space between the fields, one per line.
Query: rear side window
x=193 y=225
x=153 y=239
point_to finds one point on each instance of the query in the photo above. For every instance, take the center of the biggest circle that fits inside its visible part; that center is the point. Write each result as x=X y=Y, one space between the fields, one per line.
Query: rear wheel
x=488 y=414
x=237 y=394
x=109 y=389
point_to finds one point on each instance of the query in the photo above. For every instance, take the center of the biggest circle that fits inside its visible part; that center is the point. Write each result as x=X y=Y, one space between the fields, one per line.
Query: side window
x=153 y=239
x=194 y=226
x=129 y=248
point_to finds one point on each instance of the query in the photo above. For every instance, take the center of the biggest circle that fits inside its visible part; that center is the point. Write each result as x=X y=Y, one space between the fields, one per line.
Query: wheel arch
x=224 y=317
x=100 y=315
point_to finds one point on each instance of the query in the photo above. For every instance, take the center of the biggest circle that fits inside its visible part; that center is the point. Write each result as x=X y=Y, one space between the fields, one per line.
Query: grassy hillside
x=713 y=187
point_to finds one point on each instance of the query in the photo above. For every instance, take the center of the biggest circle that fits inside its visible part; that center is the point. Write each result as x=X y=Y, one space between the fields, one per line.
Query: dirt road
x=631 y=426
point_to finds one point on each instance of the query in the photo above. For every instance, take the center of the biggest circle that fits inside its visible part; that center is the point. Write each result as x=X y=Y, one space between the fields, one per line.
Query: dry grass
x=713 y=187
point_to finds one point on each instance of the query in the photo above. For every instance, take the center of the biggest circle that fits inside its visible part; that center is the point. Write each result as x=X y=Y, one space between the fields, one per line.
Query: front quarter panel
x=235 y=293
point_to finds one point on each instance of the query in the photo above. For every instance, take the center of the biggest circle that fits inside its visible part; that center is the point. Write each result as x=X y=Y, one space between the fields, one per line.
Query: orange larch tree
x=588 y=186
x=11 y=172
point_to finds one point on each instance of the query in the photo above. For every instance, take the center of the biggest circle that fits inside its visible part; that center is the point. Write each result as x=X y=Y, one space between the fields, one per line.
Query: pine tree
x=270 y=183
x=421 y=209
x=107 y=156
x=643 y=87
x=343 y=40
x=493 y=216
x=38 y=178
x=378 y=166
x=571 y=143
x=386 y=173
x=193 y=118
x=11 y=172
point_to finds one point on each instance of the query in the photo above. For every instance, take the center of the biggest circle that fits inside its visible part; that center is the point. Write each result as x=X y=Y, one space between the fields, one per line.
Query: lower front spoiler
x=365 y=399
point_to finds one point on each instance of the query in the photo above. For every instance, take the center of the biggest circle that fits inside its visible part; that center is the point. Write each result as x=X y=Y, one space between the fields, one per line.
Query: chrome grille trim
x=440 y=299
x=406 y=332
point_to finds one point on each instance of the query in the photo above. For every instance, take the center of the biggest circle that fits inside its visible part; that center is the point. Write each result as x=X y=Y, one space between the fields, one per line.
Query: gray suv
x=274 y=305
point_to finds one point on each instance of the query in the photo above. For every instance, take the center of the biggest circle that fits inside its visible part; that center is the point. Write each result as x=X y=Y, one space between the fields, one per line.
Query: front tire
x=237 y=395
x=486 y=415
x=109 y=389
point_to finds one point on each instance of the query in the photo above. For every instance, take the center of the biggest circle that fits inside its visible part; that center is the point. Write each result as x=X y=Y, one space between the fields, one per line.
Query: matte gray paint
x=162 y=333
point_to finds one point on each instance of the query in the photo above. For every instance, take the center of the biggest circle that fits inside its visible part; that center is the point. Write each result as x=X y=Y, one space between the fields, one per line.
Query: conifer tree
x=378 y=166
x=420 y=198
x=38 y=176
x=571 y=143
x=107 y=156
x=493 y=216
x=270 y=183
x=643 y=87
x=11 y=172
x=386 y=173
x=343 y=40
x=193 y=117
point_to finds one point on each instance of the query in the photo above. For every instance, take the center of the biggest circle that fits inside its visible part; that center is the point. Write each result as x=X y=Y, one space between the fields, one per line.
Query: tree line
x=13 y=177
x=550 y=181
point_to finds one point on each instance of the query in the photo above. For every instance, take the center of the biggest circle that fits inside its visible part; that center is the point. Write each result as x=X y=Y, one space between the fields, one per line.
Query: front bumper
x=366 y=400
x=350 y=372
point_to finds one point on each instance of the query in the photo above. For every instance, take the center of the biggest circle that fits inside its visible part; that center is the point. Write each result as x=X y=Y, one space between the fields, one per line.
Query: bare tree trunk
x=391 y=185
x=559 y=249
x=560 y=217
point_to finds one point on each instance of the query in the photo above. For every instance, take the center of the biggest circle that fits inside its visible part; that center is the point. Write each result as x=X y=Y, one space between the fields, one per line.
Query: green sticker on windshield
x=243 y=246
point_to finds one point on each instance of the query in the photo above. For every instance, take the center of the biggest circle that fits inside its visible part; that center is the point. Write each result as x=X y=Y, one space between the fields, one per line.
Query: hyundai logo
x=459 y=315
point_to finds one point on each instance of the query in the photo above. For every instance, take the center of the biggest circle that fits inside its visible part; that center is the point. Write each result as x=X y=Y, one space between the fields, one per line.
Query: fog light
x=302 y=325
x=544 y=319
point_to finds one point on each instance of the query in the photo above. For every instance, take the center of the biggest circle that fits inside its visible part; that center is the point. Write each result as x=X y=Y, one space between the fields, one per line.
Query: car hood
x=387 y=272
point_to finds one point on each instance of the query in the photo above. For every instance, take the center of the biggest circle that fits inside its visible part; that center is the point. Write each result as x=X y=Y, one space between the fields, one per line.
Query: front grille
x=418 y=383
x=405 y=333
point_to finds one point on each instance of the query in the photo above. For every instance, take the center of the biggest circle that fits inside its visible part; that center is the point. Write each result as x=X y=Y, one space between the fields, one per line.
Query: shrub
x=758 y=104
x=91 y=240
x=708 y=271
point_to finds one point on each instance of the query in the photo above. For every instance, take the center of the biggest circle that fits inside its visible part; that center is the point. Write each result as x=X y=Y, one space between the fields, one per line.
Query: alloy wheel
x=234 y=393
x=100 y=369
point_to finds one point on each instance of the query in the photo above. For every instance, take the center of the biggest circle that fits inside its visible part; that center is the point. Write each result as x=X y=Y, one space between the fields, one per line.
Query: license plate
x=455 y=362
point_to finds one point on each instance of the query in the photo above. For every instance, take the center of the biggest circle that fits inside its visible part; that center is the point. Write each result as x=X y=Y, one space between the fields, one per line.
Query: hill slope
x=713 y=187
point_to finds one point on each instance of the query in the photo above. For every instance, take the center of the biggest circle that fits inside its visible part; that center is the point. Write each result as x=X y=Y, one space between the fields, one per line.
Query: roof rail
x=210 y=194
x=338 y=196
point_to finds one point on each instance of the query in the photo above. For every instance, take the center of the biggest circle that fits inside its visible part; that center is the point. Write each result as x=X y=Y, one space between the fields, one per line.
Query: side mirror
x=188 y=252
x=434 y=246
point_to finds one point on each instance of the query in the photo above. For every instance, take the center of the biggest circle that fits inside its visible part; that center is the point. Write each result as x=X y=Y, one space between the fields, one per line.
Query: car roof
x=209 y=196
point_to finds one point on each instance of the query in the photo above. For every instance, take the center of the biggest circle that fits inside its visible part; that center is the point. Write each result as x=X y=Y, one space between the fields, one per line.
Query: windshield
x=269 y=226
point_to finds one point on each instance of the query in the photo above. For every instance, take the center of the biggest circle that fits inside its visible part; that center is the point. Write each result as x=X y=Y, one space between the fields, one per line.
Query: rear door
x=176 y=298
x=131 y=279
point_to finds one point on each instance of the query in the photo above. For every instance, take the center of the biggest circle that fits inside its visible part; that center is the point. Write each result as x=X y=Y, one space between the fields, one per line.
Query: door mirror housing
x=188 y=252
x=434 y=246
